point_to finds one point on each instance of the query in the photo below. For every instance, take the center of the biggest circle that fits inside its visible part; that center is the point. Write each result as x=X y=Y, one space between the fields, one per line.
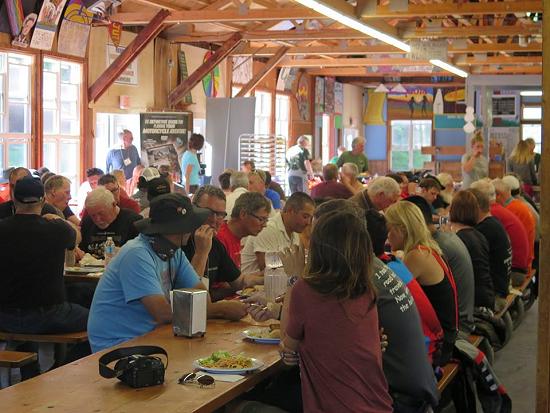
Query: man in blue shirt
x=125 y=157
x=133 y=296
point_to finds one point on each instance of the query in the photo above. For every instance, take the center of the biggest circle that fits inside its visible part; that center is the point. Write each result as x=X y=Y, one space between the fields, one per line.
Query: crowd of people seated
x=383 y=263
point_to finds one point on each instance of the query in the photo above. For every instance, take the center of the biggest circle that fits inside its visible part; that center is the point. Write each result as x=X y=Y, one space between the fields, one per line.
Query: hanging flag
x=46 y=27
x=183 y=74
x=75 y=29
x=211 y=82
x=24 y=37
x=115 y=33
x=15 y=16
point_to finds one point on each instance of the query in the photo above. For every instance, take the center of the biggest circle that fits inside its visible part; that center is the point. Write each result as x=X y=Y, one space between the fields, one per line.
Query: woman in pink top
x=332 y=321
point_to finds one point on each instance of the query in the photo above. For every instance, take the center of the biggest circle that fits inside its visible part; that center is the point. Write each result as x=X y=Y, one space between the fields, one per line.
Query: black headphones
x=162 y=247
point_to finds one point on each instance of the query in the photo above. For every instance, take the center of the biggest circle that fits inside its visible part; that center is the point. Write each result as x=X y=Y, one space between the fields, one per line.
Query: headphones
x=162 y=247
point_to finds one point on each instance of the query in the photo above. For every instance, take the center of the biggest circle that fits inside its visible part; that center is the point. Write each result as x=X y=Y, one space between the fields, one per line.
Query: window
x=61 y=118
x=407 y=138
x=282 y=115
x=531 y=126
x=15 y=109
x=262 y=124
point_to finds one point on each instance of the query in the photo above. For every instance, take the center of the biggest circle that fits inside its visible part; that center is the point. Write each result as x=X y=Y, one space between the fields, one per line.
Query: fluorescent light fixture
x=353 y=23
x=448 y=67
x=531 y=93
x=381 y=88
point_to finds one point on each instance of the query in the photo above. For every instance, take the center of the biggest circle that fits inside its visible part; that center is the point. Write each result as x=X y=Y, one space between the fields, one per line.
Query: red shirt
x=340 y=356
x=330 y=189
x=517 y=234
x=231 y=243
x=126 y=203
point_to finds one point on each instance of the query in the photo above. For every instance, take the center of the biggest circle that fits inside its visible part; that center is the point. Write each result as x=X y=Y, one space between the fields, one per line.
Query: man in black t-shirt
x=500 y=249
x=105 y=219
x=7 y=209
x=32 y=251
x=209 y=256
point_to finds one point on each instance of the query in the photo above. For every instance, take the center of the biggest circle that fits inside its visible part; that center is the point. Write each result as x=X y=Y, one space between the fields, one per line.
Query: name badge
x=127 y=162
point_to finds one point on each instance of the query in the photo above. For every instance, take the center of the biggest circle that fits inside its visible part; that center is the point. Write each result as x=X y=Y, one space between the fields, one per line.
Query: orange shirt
x=520 y=210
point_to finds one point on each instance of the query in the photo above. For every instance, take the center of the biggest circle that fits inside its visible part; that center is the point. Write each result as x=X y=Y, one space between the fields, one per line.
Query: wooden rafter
x=132 y=51
x=470 y=31
x=362 y=72
x=181 y=90
x=351 y=62
x=499 y=60
x=268 y=67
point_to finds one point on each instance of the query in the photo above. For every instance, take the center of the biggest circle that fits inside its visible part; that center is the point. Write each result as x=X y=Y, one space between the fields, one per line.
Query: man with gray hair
x=238 y=183
x=348 y=177
x=380 y=194
x=58 y=194
x=298 y=163
x=356 y=155
x=105 y=219
x=124 y=156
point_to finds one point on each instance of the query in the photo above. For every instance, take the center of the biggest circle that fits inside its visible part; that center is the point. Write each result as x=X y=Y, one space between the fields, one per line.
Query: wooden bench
x=62 y=338
x=15 y=360
x=451 y=369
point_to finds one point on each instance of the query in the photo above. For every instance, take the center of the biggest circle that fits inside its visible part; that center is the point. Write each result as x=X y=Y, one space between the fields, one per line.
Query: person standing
x=475 y=166
x=298 y=162
x=190 y=164
x=522 y=163
x=125 y=157
x=536 y=155
x=356 y=156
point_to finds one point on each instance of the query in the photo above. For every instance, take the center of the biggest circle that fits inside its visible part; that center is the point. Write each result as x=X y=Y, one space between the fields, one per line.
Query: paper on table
x=230 y=378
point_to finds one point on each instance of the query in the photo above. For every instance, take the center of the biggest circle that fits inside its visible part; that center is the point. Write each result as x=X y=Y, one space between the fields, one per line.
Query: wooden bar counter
x=78 y=387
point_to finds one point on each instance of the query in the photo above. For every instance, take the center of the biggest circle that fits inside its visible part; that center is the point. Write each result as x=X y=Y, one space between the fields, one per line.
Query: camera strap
x=119 y=353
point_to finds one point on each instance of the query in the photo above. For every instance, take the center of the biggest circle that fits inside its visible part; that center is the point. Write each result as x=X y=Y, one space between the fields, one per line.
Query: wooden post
x=120 y=64
x=543 y=352
x=272 y=62
x=181 y=90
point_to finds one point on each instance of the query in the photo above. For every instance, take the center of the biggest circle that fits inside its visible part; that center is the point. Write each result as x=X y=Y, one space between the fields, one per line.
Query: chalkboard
x=504 y=106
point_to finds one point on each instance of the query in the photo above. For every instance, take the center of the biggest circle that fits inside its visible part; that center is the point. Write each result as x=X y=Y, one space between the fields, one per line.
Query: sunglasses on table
x=202 y=380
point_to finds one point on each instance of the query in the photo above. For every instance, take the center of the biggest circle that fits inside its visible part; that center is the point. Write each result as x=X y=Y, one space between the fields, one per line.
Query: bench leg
x=60 y=355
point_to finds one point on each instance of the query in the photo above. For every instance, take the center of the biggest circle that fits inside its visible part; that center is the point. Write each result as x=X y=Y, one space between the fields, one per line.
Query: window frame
x=524 y=121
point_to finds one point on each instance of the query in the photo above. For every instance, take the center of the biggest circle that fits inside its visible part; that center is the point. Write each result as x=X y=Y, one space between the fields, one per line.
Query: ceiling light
x=381 y=88
x=398 y=89
x=531 y=93
x=353 y=23
x=448 y=67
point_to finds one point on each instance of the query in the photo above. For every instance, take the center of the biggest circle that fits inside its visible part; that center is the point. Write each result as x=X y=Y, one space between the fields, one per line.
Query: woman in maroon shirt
x=332 y=321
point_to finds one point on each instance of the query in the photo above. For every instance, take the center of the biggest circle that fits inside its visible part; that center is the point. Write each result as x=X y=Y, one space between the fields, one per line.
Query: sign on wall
x=163 y=136
x=130 y=75
x=46 y=27
x=75 y=29
x=302 y=96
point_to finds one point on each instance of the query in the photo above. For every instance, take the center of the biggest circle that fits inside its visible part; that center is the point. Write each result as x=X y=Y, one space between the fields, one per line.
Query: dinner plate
x=261 y=340
x=82 y=270
x=256 y=364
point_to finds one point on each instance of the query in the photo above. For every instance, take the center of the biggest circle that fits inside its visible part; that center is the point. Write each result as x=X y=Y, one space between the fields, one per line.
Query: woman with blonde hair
x=407 y=231
x=522 y=163
x=475 y=166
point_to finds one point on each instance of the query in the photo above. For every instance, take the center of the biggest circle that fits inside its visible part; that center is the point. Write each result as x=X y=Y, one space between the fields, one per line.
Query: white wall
x=353 y=106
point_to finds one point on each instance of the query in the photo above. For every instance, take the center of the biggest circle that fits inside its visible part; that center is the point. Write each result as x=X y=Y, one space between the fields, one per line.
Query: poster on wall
x=417 y=103
x=46 y=27
x=507 y=137
x=329 y=94
x=319 y=94
x=302 y=96
x=130 y=74
x=242 y=69
x=287 y=76
x=338 y=97
x=454 y=100
x=163 y=137
x=75 y=29
x=23 y=39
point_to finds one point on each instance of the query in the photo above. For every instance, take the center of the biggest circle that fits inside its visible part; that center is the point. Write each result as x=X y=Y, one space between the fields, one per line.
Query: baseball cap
x=157 y=187
x=172 y=214
x=150 y=173
x=28 y=190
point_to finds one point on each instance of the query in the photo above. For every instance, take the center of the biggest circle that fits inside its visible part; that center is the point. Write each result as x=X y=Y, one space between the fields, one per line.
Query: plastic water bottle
x=108 y=250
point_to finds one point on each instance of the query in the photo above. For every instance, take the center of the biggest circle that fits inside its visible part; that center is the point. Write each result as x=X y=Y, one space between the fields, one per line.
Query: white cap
x=150 y=173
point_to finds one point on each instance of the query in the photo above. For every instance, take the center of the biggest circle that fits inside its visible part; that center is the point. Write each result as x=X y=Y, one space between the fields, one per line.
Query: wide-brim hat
x=172 y=214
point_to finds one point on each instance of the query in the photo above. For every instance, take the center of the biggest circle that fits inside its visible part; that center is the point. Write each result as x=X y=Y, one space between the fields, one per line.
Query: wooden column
x=181 y=90
x=120 y=64
x=258 y=77
x=543 y=353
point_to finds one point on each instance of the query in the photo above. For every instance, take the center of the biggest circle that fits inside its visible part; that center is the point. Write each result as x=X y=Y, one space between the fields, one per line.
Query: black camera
x=135 y=366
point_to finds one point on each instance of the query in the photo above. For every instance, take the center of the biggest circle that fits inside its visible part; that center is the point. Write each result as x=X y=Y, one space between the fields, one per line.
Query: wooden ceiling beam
x=351 y=62
x=219 y=16
x=361 y=72
x=183 y=88
x=470 y=31
x=268 y=67
x=447 y=9
x=507 y=70
x=108 y=77
x=498 y=60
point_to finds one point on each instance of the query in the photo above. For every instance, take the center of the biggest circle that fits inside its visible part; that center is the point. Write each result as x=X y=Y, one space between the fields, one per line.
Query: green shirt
x=360 y=160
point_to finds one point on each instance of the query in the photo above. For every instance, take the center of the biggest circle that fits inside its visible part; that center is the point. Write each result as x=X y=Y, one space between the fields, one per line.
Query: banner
x=115 y=33
x=46 y=27
x=164 y=136
x=375 y=108
x=302 y=97
x=75 y=29
x=24 y=37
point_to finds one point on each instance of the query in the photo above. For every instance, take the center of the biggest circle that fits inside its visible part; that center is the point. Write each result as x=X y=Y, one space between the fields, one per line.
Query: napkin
x=230 y=378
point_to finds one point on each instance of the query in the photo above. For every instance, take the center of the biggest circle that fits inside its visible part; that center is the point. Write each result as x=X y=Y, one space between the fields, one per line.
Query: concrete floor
x=515 y=364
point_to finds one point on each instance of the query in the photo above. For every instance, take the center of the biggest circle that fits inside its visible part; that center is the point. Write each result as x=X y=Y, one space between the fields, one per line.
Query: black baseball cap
x=172 y=214
x=28 y=190
x=157 y=187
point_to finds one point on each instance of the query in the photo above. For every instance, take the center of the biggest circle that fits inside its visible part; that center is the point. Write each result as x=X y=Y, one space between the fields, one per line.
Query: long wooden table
x=78 y=387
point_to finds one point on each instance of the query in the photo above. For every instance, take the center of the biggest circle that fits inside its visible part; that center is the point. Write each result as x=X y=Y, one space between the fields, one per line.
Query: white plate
x=82 y=270
x=256 y=364
x=265 y=340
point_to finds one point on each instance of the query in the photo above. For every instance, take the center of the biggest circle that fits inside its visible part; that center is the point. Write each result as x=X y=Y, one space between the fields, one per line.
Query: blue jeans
x=60 y=318
x=296 y=184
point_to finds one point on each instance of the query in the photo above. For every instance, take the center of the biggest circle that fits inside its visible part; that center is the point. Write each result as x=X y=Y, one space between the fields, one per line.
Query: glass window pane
x=18 y=120
x=69 y=127
x=50 y=86
x=69 y=93
x=18 y=87
x=533 y=131
x=50 y=154
x=51 y=65
x=2 y=166
x=17 y=154
x=68 y=162
x=532 y=112
x=3 y=62
x=50 y=121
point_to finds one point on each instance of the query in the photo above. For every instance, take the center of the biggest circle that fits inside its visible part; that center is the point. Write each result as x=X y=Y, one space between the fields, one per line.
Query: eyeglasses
x=219 y=214
x=203 y=380
x=262 y=220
